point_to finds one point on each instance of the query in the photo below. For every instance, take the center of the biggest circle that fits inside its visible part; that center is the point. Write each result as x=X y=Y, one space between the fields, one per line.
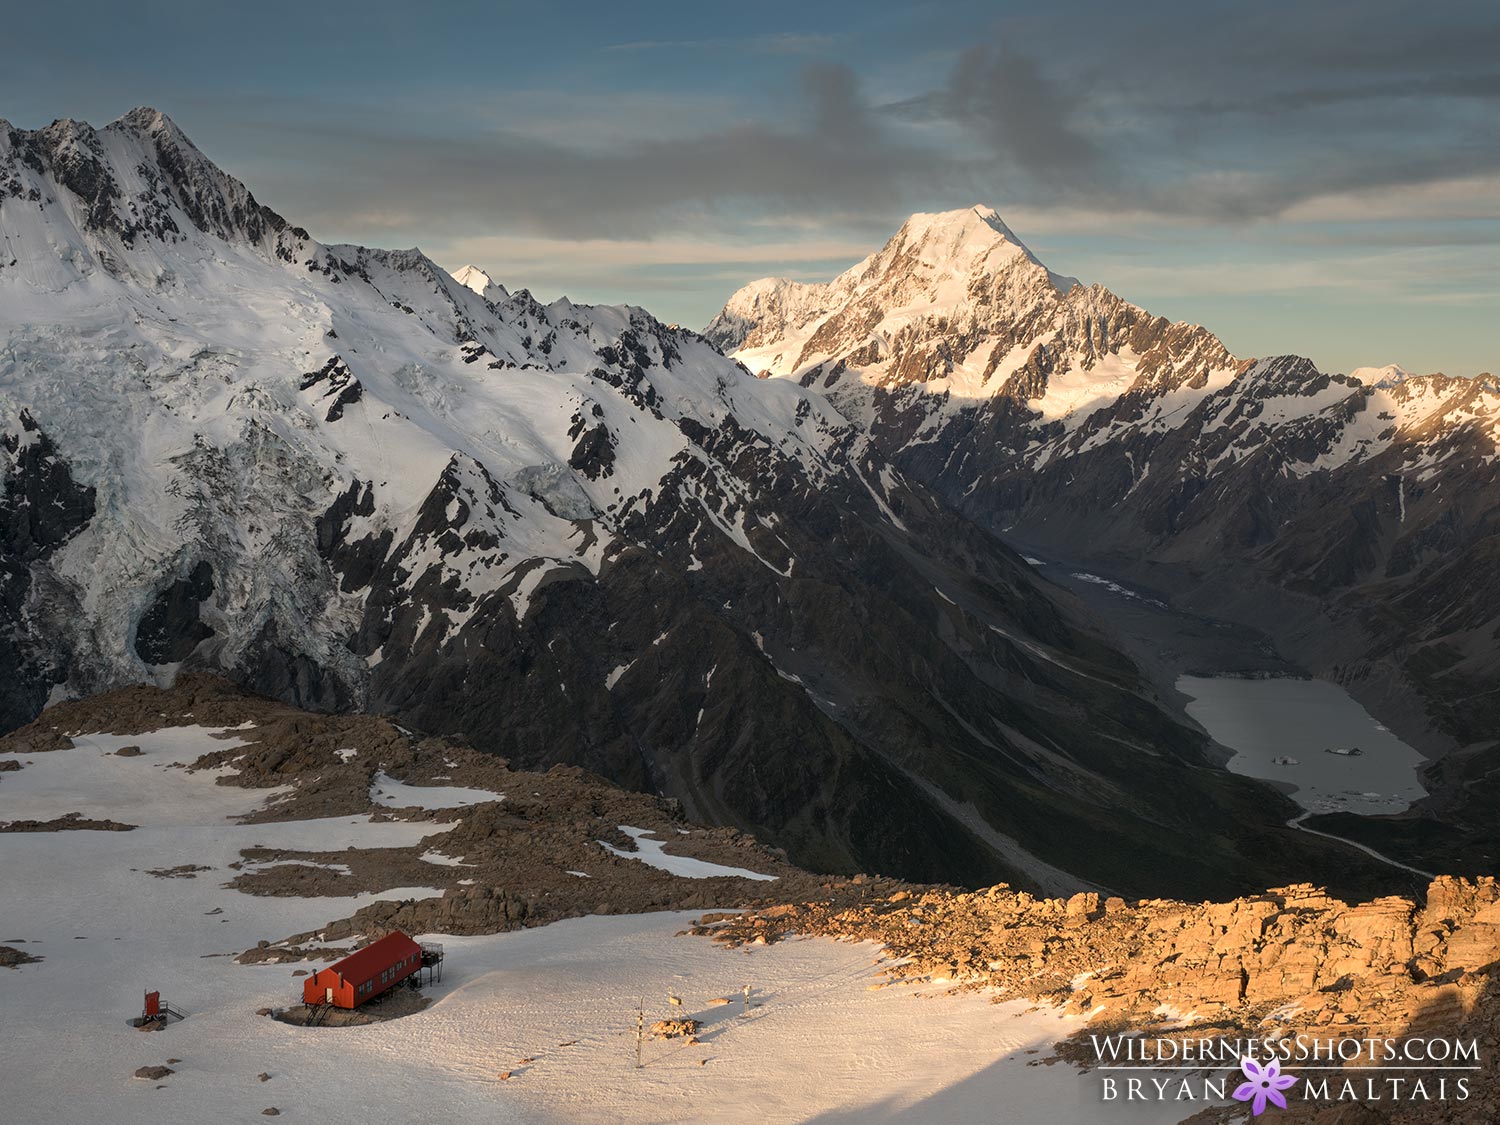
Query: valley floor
x=818 y=1042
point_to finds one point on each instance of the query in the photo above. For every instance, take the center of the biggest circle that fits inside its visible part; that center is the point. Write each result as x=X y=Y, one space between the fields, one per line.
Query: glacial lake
x=1261 y=720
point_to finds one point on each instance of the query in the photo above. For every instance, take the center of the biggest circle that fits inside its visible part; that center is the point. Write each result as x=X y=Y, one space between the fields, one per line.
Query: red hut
x=365 y=973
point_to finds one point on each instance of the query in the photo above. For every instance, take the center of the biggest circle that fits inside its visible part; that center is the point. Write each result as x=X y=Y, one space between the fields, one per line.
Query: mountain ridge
x=1264 y=491
x=568 y=533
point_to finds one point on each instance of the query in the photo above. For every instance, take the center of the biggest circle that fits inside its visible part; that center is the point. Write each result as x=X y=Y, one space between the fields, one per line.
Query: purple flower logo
x=1265 y=1085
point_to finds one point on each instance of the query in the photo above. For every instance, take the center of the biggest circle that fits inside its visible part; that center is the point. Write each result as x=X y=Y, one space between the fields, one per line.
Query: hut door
x=328 y=995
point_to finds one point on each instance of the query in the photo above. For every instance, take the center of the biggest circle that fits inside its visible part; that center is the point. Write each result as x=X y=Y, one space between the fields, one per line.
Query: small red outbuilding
x=365 y=973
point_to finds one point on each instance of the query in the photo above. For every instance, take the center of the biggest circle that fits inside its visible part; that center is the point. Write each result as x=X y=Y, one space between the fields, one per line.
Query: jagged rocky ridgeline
x=1369 y=967
x=1351 y=516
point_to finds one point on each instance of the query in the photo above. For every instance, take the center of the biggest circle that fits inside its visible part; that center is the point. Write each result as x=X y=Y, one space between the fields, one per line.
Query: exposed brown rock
x=69 y=822
x=391 y=1005
x=674 y=1029
x=10 y=957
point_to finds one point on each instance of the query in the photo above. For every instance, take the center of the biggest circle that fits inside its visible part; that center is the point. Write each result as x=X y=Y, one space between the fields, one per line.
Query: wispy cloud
x=530 y=253
x=831 y=154
x=777 y=43
x=664 y=143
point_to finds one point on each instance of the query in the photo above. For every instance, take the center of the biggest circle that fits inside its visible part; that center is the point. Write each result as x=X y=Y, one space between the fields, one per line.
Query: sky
x=1315 y=177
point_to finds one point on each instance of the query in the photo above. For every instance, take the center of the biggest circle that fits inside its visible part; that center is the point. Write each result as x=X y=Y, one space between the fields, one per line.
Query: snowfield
x=388 y=791
x=817 y=1043
x=653 y=853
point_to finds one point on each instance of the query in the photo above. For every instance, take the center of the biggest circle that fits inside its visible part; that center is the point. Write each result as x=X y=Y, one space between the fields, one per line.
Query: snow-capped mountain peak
x=956 y=275
x=946 y=236
x=955 y=304
x=81 y=201
x=1386 y=376
x=940 y=262
x=148 y=121
x=472 y=277
x=959 y=240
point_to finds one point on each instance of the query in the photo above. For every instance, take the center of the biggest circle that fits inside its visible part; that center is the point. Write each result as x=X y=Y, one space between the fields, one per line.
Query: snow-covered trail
x=817 y=1043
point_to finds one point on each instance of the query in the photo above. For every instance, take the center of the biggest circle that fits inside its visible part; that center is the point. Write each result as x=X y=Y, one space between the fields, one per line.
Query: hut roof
x=363 y=964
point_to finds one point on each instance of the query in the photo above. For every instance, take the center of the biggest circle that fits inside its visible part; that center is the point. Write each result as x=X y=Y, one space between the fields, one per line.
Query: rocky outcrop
x=1291 y=962
x=42 y=507
x=1370 y=966
x=69 y=822
x=11 y=957
x=171 y=629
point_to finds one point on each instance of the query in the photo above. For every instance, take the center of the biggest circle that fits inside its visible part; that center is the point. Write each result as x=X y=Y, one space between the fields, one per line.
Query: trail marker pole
x=640 y=1033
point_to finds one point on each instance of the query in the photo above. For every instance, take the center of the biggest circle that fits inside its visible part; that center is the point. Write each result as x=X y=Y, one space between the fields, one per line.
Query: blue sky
x=1320 y=178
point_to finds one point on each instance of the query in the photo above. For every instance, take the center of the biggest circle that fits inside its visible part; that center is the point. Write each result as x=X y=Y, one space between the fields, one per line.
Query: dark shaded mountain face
x=1352 y=516
x=569 y=533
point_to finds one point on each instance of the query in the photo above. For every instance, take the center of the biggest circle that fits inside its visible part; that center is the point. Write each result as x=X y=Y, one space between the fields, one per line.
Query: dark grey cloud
x=1230 y=119
x=829 y=154
x=1029 y=119
x=777 y=43
x=1476 y=86
x=841 y=118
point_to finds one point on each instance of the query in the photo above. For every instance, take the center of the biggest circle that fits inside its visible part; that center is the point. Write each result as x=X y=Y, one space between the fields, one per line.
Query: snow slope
x=396 y=794
x=817 y=1043
x=654 y=854
x=242 y=377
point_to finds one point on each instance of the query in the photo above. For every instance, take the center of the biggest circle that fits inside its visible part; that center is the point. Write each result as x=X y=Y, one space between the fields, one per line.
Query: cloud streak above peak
x=613 y=140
